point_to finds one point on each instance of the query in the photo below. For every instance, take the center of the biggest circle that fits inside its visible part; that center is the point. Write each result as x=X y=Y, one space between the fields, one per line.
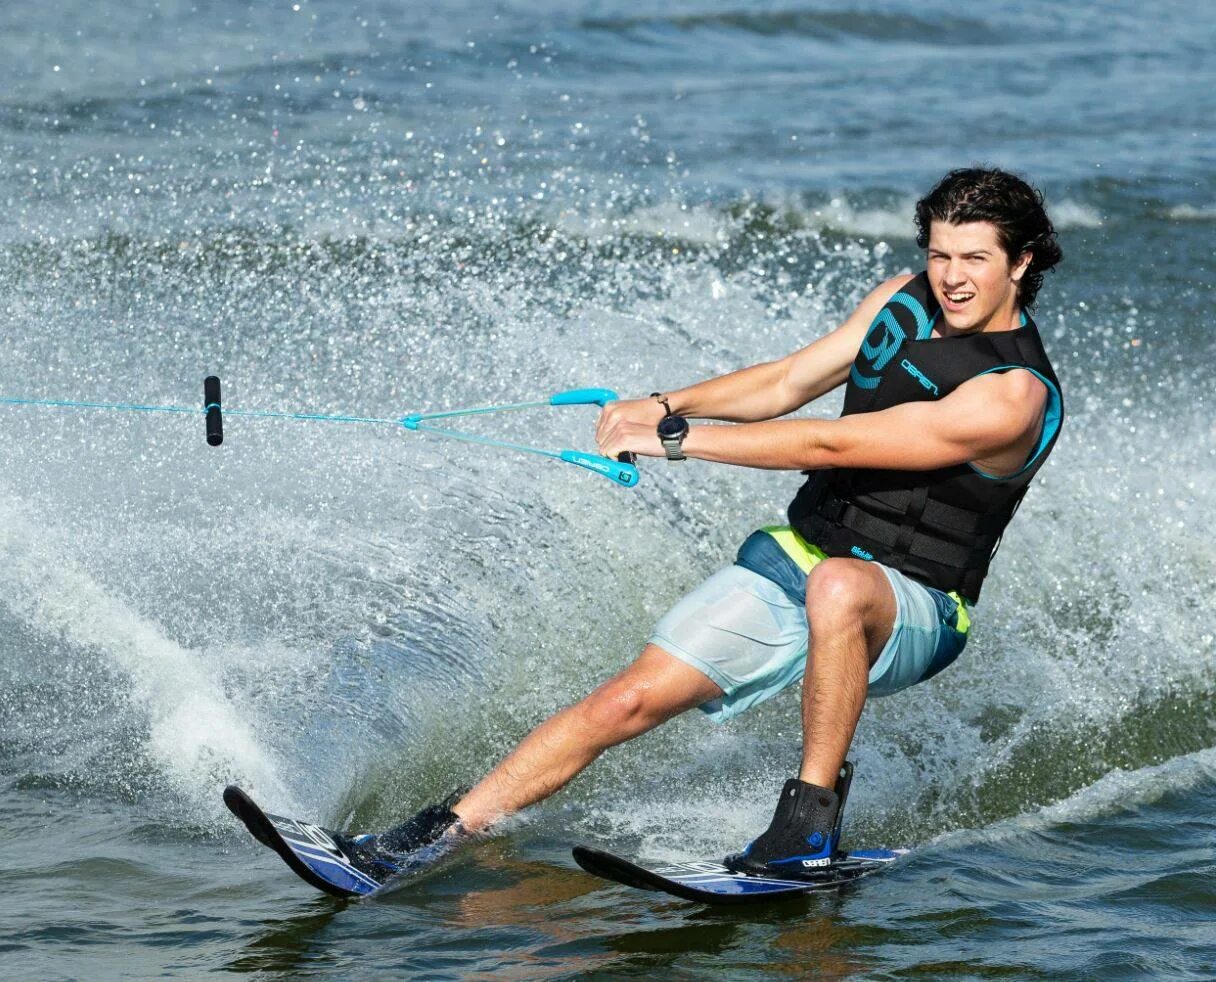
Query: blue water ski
x=713 y=883
x=320 y=857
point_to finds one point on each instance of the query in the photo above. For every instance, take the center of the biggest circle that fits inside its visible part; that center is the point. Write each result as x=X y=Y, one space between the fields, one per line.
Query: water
x=377 y=209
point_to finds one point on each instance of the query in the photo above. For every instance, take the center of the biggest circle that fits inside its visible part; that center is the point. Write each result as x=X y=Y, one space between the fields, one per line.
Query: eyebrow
x=973 y=252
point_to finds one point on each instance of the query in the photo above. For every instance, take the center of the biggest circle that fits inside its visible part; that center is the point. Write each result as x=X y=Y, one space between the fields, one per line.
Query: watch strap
x=663 y=402
x=673 y=446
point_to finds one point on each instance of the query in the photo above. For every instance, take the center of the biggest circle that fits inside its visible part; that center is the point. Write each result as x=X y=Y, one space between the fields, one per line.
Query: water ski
x=713 y=883
x=320 y=857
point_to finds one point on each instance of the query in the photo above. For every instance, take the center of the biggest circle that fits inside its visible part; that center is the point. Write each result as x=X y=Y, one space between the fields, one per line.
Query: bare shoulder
x=824 y=363
x=1018 y=394
x=892 y=284
x=1014 y=385
x=858 y=322
x=877 y=298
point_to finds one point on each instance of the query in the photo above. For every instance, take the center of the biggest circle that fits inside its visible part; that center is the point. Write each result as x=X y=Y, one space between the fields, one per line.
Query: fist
x=630 y=424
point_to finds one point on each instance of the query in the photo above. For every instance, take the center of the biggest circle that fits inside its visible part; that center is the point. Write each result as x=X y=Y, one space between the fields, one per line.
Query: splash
x=194 y=733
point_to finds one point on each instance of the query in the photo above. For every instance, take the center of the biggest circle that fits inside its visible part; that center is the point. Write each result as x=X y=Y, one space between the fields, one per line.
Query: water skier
x=951 y=407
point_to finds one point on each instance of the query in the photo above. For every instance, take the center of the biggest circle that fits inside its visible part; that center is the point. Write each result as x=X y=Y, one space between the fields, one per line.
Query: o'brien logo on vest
x=879 y=347
x=917 y=374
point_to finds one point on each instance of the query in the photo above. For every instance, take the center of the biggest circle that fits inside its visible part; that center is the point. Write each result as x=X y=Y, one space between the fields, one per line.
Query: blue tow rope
x=623 y=472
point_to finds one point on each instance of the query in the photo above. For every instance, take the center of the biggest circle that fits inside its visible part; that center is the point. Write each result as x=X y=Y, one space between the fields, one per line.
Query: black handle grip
x=627 y=457
x=211 y=405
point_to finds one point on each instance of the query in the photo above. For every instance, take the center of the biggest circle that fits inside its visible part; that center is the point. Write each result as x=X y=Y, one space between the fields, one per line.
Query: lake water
x=375 y=208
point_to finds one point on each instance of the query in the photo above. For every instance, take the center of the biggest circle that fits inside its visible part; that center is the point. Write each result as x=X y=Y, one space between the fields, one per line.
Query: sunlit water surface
x=375 y=210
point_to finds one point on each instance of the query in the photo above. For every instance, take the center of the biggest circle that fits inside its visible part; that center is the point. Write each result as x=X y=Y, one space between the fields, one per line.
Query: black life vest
x=942 y=526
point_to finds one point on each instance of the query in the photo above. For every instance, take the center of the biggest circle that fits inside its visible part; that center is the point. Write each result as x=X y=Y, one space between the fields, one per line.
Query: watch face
x=672 y=427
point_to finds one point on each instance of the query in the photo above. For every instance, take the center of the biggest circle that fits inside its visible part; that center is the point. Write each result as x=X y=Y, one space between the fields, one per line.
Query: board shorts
x=746 y=626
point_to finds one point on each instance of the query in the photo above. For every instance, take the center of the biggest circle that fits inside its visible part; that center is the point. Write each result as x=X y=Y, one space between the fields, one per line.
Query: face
x=972 y=277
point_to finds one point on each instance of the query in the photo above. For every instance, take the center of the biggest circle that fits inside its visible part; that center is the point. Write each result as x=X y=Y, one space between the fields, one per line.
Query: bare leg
x=851 y=609
x=653 y=689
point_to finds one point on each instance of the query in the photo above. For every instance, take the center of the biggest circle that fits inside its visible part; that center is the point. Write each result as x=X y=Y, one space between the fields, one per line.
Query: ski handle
x=624 y=469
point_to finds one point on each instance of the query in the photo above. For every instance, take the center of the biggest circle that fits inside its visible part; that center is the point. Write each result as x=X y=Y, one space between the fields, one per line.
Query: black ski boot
x=804 y=835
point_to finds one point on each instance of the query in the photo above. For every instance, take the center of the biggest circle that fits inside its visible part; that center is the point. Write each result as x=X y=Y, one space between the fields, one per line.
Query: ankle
x=475 y=815
x=819 y=774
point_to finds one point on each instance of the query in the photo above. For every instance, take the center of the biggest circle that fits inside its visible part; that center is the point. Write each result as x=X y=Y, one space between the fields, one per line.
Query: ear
x=1019 y=268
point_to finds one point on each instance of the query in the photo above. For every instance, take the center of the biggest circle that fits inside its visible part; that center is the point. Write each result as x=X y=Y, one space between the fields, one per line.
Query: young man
x=951 y=407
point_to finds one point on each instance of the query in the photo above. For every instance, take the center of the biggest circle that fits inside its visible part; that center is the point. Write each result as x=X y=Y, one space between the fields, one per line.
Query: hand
x=647 y=411
x=638 y=438
x=630 y=424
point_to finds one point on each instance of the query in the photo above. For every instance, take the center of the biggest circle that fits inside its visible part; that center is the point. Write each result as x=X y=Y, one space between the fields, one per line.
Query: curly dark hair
x=985 y=194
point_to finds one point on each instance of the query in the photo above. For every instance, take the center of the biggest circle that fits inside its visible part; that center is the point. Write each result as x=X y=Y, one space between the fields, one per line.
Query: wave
x=842 y=214
x=1193 y=213
x=696 y=225
x=1069 y=214
x=866 y=25
x=1120 y=792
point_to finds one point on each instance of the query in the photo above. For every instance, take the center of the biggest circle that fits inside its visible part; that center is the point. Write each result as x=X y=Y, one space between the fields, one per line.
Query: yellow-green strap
x=962 y=622
x=805 y=555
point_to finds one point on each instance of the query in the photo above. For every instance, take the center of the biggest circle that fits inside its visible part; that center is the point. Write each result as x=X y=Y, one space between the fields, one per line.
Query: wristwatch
x=672 y=431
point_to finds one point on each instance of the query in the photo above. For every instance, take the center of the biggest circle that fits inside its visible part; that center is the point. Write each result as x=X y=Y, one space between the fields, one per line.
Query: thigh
x=743 y=632
x=664 y=679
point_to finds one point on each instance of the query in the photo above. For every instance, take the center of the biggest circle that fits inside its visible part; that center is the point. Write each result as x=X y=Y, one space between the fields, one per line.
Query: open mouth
x=959 y=299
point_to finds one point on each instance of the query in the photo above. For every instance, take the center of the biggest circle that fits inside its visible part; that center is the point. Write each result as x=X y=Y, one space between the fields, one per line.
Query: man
x=951 y=406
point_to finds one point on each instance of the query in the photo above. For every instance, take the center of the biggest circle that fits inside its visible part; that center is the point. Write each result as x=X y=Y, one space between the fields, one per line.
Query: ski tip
x=234 y=797
x=251 y=816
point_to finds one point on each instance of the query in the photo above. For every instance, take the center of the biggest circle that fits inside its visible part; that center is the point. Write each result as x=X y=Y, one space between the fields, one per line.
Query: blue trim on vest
x=1051 y=421
x=924 y=326
x=879 y=356
x=861 y=381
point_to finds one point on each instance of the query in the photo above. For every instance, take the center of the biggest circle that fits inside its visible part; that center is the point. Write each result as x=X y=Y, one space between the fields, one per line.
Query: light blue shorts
x=746 y=627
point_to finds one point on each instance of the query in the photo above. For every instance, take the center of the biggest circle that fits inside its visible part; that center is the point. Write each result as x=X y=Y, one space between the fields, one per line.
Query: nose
x=954 y=274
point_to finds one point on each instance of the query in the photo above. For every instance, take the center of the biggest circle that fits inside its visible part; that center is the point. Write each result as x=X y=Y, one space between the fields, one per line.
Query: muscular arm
x=993 y=420
x=772 y=389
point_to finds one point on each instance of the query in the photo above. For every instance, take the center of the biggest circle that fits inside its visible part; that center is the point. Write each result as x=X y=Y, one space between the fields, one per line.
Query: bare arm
x=767 y=390
x=994 y=419
x=774 y=388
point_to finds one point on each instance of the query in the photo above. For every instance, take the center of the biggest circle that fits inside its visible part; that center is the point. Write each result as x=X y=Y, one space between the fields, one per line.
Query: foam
x=841 y=215
x=697 y=225
x=1193 y=213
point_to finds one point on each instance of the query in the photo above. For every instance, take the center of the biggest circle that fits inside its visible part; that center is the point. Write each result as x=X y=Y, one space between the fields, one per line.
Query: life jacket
x=941 y=526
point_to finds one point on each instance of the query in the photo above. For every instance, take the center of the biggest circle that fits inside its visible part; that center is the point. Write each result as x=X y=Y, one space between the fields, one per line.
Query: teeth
x=960 y=297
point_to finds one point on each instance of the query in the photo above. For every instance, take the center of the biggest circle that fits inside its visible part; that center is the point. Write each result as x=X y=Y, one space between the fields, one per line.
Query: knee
x=841 y=589
x=613 y=712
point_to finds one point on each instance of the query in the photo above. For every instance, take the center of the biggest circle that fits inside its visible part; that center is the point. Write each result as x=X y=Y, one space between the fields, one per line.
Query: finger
x=616 y=431
x=607 y=417
x=603 y=442
x=616 y=439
